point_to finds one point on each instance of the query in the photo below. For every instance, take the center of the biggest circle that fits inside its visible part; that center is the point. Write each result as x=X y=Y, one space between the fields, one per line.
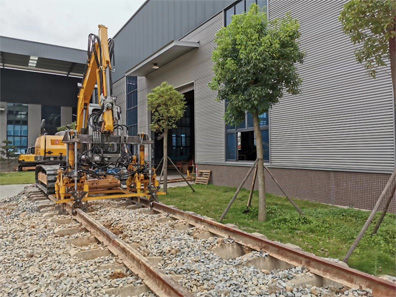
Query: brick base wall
x=351 y=189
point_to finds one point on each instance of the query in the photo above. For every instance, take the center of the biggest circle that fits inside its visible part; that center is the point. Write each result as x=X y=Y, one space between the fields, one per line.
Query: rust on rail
x=158 y=282
x=319 y=266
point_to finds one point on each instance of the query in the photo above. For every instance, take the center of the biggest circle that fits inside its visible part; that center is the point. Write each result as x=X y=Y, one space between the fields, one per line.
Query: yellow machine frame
x=69 y=187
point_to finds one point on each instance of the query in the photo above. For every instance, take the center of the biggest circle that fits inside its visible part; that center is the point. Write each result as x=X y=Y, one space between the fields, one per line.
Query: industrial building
x=333 y=143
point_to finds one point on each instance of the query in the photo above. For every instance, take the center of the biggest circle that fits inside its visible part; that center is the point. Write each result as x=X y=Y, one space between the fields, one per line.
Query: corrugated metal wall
x=156 y=24
x=195 y=66
x=343 y=119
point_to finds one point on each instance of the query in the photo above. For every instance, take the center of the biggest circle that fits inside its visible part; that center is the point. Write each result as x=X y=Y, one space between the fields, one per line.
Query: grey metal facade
x=343 y=119
x=157 y=23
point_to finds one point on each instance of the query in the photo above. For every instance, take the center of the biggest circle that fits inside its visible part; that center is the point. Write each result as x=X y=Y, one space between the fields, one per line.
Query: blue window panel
x=10 y=129
x=24 y=131
x=250 y=120
x=249 y=4
x=24 y=141
x=17 y=141
x=132 y=116
x=173 y=139
x=17 y=130
x=131 y=83
x=242 y=125
x=134 y=98
x=240 y=7
x=129 y=100
x=231 y=146
x=262 y=4
x=11 y=139
x=265 y=139
x=228 y=14
x=263 y=118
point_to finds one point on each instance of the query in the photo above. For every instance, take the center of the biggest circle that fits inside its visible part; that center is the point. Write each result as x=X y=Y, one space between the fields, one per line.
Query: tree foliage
x=7 y=150
x=167 y=106
x=255 y=62
x=371 y=23
x=72 y=126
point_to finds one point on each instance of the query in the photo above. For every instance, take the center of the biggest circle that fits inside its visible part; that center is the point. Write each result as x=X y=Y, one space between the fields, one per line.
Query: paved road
x=11 y=190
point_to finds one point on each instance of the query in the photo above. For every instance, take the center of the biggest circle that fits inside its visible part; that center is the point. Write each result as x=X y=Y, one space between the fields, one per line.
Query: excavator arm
x=97 y=74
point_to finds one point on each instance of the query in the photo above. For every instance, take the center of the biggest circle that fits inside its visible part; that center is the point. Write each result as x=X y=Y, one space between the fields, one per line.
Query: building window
x=17 y=126
x=241 y=142
x=241 y=7
x=52 y=117
x=131 y=112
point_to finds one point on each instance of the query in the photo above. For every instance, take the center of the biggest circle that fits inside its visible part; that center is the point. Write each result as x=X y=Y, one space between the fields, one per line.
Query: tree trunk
x=262 y=213
x=165 y=165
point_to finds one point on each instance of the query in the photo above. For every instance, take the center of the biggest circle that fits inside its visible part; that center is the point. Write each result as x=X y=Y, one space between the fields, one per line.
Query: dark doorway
x=181 y=139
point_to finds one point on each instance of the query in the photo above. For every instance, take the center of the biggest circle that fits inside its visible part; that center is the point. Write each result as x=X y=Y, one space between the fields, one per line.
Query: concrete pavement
x=11 y=190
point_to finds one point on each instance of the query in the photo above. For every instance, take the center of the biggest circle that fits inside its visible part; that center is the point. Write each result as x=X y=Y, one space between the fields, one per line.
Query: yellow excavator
x=99 y=160
x=48 y=150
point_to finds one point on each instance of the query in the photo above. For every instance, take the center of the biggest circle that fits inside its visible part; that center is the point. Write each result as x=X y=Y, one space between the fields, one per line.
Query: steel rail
x=158 y=282
x=319 y=266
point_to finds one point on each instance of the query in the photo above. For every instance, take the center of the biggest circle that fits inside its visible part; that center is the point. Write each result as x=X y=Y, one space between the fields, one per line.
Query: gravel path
x=37 y=262
x=194 y=261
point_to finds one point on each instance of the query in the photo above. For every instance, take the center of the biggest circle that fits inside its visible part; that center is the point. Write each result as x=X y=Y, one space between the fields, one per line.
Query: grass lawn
x=326 y=231
x=12 y=178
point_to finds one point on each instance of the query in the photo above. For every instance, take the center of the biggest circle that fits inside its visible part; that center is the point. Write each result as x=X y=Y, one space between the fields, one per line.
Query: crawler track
x=164 y=285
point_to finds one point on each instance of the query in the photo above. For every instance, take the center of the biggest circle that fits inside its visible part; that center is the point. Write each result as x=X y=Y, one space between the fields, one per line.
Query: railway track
x=177 y=253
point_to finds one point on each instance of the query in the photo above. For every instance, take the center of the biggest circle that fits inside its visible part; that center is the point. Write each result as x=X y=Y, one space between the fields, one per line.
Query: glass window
x=17 y=129
x=265 y=138
x=228 y=14
x=231 y=146
x=240 y=7
x=131 y=104
x=262 y=4
x=263 y=118
x=249 y=3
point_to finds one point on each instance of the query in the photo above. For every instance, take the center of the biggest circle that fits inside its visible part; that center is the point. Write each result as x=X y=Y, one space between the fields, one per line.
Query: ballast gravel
x=193 y=263
x=34 y=261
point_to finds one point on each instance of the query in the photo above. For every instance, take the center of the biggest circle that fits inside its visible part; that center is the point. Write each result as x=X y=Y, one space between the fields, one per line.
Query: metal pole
x=237 y=191
x=75 y=166
x=181 y=174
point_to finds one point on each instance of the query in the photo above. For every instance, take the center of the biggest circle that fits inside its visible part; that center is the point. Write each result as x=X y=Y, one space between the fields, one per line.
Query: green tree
x=372 y=23
x=167 y=107
x=254 y=64
x=7 y=150
x=72 y=126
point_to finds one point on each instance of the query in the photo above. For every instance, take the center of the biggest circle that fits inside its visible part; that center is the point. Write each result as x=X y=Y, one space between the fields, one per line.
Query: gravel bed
x=197 y=267
x=34 y=261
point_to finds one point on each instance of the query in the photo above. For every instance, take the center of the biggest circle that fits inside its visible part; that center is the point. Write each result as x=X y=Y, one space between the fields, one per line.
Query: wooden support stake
x=370 y=218
x=249 y=203
x=284 y=193
x=237 y=192
x=181 y=174
x=384 y=212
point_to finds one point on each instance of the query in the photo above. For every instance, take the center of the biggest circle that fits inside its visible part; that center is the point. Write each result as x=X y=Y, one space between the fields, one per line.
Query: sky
x=63 y=22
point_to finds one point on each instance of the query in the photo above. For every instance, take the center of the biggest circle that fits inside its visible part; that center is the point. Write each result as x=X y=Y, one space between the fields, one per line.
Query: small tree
x=167 y=107
x=254 y=63
x=72 y=126
x=372 y=23
x=7 y=152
